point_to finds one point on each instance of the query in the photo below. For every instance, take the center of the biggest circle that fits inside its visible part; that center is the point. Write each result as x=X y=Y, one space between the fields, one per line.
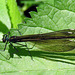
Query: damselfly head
x=5 y=38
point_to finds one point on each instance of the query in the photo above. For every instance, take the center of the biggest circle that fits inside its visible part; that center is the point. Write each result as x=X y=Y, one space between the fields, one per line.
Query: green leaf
x=4 y=17
x=9 y=15
x=14 y=13
x=48 y=18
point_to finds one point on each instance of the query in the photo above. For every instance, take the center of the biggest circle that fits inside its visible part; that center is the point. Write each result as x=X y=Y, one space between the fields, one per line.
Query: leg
x=13 y=46
x=4 y=50
x=20 y=44
x=5 y=45
x=27 y=48
x=19 y=32
x=25 y=45
x=25 y=42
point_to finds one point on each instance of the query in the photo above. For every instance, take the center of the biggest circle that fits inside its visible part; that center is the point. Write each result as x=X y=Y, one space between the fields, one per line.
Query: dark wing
x=67 y=33
x=58 y=41
x=50 y=35
x=59 y=45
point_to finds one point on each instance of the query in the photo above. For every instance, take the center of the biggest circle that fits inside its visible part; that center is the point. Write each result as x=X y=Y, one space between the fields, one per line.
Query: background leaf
x=15 y=16
x=48 y=18
x=4 y=17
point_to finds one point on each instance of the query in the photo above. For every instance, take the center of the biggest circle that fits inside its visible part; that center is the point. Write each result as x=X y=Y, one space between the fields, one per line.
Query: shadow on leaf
x=53 y=56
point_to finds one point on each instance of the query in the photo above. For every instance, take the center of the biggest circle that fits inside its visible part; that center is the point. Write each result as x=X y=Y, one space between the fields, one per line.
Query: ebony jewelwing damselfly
x=58 y=41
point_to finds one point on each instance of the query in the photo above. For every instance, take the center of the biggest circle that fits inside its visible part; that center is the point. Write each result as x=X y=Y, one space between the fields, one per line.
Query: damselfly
x=58 y=41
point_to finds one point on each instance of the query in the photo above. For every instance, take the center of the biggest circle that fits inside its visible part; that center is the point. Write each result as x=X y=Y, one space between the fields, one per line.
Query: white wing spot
x=71 y=40
x=70 y=32
x=72 y=29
